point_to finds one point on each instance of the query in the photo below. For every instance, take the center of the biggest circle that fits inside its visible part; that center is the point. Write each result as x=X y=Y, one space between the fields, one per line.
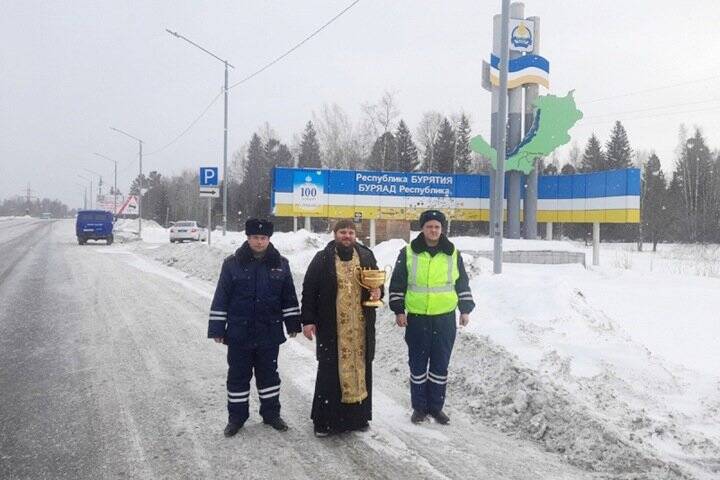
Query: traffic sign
x=211 y=192
x=209 y=177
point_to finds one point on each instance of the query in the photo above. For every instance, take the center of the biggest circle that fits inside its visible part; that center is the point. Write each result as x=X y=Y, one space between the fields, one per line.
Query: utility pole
x=140 y=193
x=114 y=183
x=84 y=187
x=225 y=127
x=87 y=180
x=497 y=226
x=99 y=184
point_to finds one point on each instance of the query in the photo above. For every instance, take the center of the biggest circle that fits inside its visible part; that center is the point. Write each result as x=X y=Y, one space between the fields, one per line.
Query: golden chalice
x=370 y=278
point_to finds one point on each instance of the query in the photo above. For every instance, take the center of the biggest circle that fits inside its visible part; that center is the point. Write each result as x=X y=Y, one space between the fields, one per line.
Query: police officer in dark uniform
x=254 y=296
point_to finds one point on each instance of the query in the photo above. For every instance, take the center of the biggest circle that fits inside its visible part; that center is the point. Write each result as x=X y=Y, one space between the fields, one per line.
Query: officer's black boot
x=418 y=416
x=440 y=417
x=232 y=428
x=277 y=423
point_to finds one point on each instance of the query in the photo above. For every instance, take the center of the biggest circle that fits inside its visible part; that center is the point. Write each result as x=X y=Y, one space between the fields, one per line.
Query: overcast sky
x=71 y=69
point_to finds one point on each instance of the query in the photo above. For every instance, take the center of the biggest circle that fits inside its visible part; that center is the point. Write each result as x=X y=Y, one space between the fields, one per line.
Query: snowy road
x=105 y=372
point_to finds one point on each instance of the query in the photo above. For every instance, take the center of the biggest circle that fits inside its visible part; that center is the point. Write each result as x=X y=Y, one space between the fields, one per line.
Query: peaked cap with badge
x=258 y=226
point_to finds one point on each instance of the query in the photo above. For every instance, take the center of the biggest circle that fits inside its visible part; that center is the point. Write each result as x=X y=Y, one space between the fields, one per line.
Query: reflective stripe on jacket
x=431 y=282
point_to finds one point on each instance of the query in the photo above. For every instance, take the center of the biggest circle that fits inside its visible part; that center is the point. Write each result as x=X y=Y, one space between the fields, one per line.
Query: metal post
x=548 y=231
x=295 y=228
x=91 y=194
x=227 y=64
x=596 y=243
x=494 y=102
x=308 y=225
x=531 y=194
x=224 y=180
x=502 y=140
x=115 y=191
x=140 y=195
x=209 y=224
x=372 y=233
x=514 y=136
x=114 y=183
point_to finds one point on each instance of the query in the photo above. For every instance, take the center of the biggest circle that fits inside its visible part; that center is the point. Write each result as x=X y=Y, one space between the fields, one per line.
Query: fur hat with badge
x=258 y=226
x=428 y=215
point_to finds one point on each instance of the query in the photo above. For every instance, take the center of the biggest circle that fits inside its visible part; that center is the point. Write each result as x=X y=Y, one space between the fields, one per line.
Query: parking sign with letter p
x=209 y=176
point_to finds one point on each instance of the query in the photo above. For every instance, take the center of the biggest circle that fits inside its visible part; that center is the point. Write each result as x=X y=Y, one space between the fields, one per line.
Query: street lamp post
x=99 y=183
x=225 y=127
x=115 y=182
x=91 y=188
x=140 y=144
x=84 y=187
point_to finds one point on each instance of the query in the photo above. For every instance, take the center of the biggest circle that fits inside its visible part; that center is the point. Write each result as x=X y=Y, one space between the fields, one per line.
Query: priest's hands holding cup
x=375 y=294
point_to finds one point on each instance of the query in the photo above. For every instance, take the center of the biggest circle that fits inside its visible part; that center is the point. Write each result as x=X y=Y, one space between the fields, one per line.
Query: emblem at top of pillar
x=552 y=116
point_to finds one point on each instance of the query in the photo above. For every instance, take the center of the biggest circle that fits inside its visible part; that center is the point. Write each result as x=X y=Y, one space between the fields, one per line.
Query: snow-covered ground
x=613 y=367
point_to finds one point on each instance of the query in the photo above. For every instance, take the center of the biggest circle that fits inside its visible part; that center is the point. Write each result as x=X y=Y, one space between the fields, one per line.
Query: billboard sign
x=608 y=197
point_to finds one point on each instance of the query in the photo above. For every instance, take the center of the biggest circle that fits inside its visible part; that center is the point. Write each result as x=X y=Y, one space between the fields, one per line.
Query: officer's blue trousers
x=430 y=340
x=241 y=364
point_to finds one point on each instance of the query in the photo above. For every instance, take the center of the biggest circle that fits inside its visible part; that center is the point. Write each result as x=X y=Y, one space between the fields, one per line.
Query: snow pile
x=615 y=368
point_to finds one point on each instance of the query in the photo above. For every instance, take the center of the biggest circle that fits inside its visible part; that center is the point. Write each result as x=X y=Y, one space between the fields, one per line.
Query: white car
x=187 y=230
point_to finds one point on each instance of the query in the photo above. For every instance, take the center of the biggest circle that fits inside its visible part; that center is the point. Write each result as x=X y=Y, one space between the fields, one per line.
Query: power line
x=192 y=124
x=664 y=114
x=273 y=62
x=268 y=65
x=712 y=100
x=654 y=89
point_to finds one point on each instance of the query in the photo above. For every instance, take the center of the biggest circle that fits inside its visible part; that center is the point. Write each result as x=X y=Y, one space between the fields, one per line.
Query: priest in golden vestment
x=332 y=311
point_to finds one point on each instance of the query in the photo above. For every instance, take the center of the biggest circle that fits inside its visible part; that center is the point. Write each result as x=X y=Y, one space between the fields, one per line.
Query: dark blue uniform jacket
x=252 y=300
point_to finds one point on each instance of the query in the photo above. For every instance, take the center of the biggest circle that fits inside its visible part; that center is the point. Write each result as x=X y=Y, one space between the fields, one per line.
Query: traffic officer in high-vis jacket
x=255 y=295
x=430 y=283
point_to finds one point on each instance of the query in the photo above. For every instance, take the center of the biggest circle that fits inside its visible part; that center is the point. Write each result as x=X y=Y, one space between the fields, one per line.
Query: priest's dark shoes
x=418 y=416
x=363 y=428
x=232 y=428
x=277 y=423
x=440 y=417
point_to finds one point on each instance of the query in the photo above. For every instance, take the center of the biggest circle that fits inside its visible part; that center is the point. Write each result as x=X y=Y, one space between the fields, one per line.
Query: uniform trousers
x=242 y=362
x=430 y=340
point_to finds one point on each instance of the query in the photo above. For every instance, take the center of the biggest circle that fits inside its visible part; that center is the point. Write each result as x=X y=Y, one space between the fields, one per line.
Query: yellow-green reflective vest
x=431 y=282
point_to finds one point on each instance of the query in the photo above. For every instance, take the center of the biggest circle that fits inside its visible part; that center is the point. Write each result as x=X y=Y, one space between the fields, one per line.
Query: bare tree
x=427 y=132
x=266 y=132
x=575 y=155
x=236 y=169
x=379 y=119
x=340 y=144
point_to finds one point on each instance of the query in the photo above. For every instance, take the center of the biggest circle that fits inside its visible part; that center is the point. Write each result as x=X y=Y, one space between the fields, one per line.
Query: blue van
x=94 y=225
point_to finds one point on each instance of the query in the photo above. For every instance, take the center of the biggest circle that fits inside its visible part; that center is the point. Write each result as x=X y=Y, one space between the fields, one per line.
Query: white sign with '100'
x=307 y=194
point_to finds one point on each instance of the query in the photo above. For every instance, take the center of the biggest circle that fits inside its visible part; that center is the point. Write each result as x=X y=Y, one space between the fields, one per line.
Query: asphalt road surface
x=105 y=372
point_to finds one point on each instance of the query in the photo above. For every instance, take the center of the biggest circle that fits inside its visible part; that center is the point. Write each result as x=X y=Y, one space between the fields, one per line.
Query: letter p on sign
x=209 y=176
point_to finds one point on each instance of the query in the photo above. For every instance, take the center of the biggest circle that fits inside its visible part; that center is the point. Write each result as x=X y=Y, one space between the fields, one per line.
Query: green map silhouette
x=554 y=117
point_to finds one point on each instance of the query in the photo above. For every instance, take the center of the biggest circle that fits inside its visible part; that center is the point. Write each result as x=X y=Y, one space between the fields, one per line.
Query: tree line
x=381 y=141
x=680 y=206
x=19 y=205
x=683 y=206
